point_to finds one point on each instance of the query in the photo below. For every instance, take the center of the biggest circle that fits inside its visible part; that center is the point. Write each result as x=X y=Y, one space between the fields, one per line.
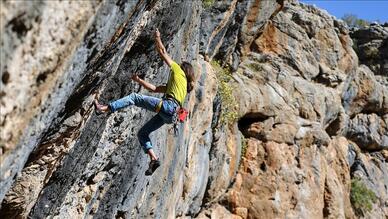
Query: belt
x=169 y=97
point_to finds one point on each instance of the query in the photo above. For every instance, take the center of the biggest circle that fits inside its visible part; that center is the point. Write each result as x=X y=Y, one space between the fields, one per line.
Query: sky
x=371 y=10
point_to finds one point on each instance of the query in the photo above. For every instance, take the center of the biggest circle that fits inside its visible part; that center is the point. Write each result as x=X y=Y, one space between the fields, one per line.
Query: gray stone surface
x=309 y=117
x=369 y=131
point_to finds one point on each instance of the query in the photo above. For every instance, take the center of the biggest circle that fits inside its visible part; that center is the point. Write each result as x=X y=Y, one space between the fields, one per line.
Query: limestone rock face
x=365 y=94
x=278 y=181
x=369 y=131
x=38 y=38
x=371 y=45
x=303 y=118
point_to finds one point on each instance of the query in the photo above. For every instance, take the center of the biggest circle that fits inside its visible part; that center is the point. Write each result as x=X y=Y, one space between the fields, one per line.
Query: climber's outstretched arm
x=149 y=86
x=161 y=49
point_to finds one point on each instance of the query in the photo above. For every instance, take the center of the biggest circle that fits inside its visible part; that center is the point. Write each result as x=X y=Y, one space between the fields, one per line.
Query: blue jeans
x=165 y=115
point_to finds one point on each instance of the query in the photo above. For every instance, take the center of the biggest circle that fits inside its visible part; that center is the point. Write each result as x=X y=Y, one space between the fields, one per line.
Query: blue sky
x=371 y=10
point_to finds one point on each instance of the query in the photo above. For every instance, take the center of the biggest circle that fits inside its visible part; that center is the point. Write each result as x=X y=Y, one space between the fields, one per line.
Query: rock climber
x=181 y=81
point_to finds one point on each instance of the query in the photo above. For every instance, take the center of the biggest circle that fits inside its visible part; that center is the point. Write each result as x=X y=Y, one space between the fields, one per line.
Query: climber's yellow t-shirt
x=177 y=85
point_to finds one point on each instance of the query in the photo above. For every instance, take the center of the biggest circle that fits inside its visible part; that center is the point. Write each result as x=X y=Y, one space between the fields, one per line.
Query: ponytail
x=189 y=72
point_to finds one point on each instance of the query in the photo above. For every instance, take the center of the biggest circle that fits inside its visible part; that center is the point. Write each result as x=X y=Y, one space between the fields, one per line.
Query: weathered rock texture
x=371 y=45
x=310 y=118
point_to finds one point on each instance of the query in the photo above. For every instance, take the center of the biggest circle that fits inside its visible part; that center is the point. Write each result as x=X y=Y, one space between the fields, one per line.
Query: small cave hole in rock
x=248 y=119
x=18 y=26
x=5 y=77
x=120 y=215
x=42 y=77
x=334 y=127
x=89 y=181
x=263 y=166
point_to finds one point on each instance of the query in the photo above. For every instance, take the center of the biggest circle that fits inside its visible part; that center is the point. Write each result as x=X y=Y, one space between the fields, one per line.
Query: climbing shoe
x=154 y=164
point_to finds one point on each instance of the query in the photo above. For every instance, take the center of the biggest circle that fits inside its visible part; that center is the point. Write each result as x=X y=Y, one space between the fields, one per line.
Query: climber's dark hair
x=189 y=72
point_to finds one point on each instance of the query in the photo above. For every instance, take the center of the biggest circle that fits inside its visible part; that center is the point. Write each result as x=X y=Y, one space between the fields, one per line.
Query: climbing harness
x=179 y=115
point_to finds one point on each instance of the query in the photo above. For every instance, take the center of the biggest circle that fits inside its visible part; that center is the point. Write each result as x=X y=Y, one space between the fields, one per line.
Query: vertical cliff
x=282 y=120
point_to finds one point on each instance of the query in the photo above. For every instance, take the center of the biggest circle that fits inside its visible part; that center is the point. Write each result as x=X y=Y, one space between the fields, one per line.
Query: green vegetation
x=372 y=52
x=353 y=21
x=255 y=67
x=207 y=3
x=244 y=145
x=225 y=90
x=361 y=197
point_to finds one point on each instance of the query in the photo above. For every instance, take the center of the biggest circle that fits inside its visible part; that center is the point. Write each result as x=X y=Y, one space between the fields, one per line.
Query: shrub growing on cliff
x=361 y=197
x=244 y=146
x=207 y=3
x=225 y=90
x=255 y=67
x=353 y=21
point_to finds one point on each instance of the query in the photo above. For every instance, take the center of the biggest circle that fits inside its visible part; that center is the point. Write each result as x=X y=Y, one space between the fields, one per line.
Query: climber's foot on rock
x=100 y=108
x=154 y=164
